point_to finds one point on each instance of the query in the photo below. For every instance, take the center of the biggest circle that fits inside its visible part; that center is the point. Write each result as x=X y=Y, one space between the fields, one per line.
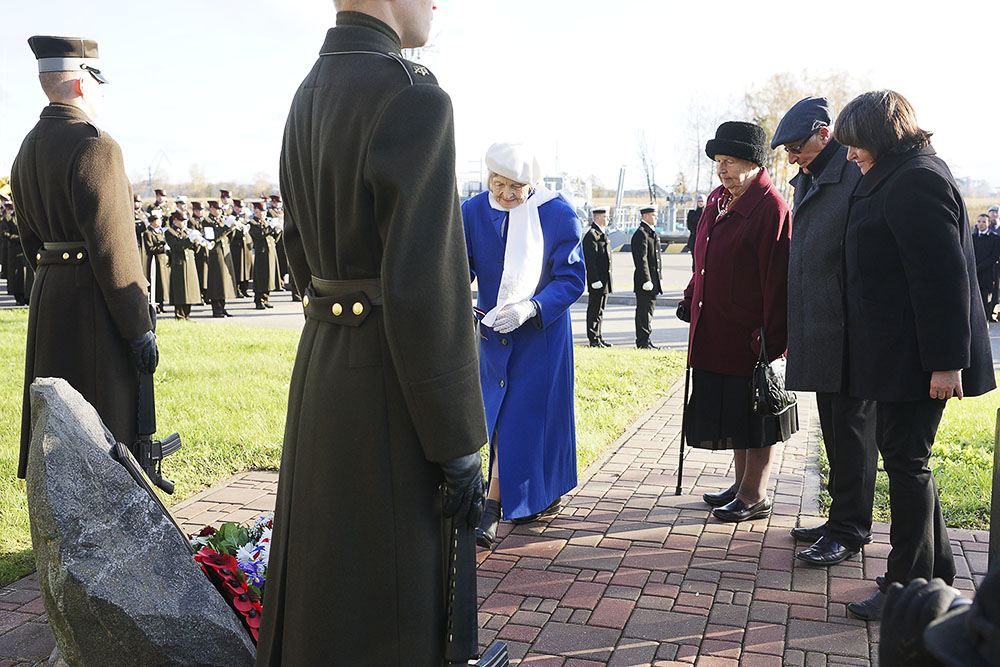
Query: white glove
x=228 y=221
x=647 y=286
x=514 y=315
x=192 y=235
x=596 y=285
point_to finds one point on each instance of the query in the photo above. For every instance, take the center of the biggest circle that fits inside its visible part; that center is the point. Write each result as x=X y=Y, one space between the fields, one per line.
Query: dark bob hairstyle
x=881 y=122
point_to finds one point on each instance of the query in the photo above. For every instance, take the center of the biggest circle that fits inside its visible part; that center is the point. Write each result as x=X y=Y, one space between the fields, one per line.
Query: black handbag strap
x=763 y=345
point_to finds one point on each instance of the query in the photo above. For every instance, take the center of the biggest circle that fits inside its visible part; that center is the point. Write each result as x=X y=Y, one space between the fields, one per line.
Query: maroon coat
x=740 y=280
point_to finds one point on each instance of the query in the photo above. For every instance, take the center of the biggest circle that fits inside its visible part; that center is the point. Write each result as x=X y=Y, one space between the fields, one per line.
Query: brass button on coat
x=503 y=341
x=336 y=309
x=501 y=383
x=305 y=301
x=65 y=255
x=357 y=308
x=79 y=255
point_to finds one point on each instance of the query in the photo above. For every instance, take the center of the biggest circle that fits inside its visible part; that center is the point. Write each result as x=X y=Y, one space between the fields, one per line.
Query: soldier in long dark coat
x=158 y=261
x=17 y=267
x=185 y=288
x=265 y=262
x=646 y=277
x=241 y=248
x=220 y=261
x=75 y=208
x=160 y=202
x=140 y=228
x=197 y=223
x=385 y=402
x=6 y=209
x=597 y=258
x=987 y=246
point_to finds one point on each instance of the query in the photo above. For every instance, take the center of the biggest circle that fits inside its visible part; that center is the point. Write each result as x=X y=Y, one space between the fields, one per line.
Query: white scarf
x=522 y=259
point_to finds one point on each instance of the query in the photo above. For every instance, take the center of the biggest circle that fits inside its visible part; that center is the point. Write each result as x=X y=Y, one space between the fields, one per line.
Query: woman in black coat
x=916 y=334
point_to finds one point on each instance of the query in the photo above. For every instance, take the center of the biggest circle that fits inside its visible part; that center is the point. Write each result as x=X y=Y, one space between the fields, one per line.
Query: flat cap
x=805 y=117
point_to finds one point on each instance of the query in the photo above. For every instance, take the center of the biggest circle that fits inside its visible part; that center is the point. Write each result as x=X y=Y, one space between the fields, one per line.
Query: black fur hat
x=741 y=140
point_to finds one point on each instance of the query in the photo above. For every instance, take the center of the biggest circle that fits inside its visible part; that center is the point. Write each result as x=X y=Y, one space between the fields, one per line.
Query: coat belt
x=62 y=252
x=344 y=302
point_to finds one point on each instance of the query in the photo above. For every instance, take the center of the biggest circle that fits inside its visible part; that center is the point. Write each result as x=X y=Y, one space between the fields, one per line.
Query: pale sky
x=209 y=82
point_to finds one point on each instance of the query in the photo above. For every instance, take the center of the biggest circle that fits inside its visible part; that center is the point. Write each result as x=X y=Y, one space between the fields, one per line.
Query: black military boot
x=486 y=532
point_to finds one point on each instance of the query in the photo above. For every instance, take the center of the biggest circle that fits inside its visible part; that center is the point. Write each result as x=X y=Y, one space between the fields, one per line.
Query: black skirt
x=719 y=415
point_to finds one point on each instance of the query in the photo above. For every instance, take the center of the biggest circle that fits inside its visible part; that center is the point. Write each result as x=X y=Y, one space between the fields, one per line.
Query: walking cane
x=680 y=461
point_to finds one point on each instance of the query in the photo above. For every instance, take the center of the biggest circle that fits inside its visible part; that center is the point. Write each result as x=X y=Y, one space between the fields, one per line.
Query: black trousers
x=595 y=314
x=848 y=426
x=644 y=305
x=987 y=289
x=917 y=534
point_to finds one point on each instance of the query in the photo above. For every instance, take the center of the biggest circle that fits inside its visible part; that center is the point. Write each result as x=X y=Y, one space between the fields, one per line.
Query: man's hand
x=514 y=315
x=647 y=286
x=145 y=354
x=906 y=613
x=596 y=285
x=945 y=384
x=464 y=495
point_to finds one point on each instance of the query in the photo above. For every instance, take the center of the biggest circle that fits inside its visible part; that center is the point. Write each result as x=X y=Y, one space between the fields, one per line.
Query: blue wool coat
x=527 y=374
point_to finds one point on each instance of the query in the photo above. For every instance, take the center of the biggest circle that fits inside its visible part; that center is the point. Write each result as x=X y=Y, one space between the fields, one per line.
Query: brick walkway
x=628 y=573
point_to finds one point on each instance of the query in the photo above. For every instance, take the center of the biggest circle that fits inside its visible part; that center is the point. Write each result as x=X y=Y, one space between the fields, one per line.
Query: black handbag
x=776 y=407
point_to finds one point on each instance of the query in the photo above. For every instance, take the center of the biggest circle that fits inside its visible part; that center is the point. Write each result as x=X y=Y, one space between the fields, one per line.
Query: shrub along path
x=628 y=573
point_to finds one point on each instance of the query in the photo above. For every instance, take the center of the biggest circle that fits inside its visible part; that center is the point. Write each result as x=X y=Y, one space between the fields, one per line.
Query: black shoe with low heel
x=721 y=498
x=486 y=532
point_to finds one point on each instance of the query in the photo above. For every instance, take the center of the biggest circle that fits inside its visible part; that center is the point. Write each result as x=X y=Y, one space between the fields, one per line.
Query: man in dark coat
x=157 y=260
x=185 y=288
x=17 y=268
x=159 y=202
x=385 y=403
x=597 y=257
x=75 y=206
x=265 y=235
x=220 y=261
x=693 y=216
x=987 y=246
x=646 y=278
x=241 y=248
x=823 y=190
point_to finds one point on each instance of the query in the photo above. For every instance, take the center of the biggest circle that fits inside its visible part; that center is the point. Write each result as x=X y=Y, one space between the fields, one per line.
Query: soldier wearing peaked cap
x=75 y=207
x=645 y=246
x=219 y=229
x=387 y=356
x=160 y=202
x=241 y=248
x=265 y=234
x=597 y=257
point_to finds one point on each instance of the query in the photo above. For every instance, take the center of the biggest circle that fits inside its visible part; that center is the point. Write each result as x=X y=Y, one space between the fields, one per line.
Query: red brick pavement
x=628 y=573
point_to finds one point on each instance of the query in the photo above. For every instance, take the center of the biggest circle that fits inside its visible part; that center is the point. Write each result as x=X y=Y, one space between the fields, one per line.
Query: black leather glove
x=906 y=614
x=682 y=313
x=463 y=480
x=145 y=354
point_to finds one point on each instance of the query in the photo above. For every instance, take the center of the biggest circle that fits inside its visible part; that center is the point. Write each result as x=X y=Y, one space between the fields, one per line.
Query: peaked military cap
x=238 y=202
x=648 y=208
x=66 y=54
x=223 y=193
x=213 y=203
x=275 y=197
x=599 y=209
x=259 y=205
x=196 y=205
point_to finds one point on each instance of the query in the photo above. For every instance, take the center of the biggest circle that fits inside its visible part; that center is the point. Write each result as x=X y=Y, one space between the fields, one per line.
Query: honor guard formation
x=873 y=287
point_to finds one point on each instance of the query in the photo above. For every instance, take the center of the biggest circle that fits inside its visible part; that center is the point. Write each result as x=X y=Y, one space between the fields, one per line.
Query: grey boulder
x=118 y=582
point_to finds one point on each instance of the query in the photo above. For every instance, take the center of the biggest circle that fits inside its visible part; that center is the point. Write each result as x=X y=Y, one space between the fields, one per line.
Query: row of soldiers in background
x=986 y=241
x=645 y=246
x=14 y=269
x=194 y=258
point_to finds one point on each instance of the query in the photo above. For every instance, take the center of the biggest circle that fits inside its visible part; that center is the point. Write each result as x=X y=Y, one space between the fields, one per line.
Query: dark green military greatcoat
x=220 y=261
x=185 y=288
x=241 y=247
x=265 y=256
x=156 y=255
x=367 y=174
x=69 y=185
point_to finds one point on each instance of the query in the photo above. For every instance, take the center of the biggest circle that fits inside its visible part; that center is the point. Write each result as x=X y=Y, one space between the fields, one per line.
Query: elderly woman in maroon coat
x=738 y=288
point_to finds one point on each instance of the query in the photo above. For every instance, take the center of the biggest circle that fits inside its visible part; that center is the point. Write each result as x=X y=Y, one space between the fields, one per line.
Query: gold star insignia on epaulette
x=421 y=70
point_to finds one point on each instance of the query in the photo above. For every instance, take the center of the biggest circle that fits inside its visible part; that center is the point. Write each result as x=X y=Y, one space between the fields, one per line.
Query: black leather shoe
x=739 y=511
x=486 y=531
x=605 y=343
x=826 y=551
x=551 y=510
x=870 y=609
x=808 y=534
x=721 y=498
x=595 y=343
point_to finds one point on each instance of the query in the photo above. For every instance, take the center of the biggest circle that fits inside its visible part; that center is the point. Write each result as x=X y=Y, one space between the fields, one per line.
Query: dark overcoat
x=597 y=258
x=645 y=246
x=913 y=301
x=527 y=374
x=815 y=275
x=156 y=254
x=200 y=252
x=265 y=256
x=241 y=248
x=740 y=280
x=185 y=288
x=220 y=262
x=17 y=267
x=367 y=173
x=69 y=184
x=987 y=251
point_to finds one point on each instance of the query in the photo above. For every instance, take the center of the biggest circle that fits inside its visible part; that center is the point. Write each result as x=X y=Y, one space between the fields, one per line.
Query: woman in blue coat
x=524 y=249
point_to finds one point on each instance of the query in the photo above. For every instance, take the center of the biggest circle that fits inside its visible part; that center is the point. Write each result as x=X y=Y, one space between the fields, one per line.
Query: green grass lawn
x=962 y=461
x=224 y=388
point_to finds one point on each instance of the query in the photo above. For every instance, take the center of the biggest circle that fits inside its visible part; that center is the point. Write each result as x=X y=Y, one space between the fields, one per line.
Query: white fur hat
x=514 y=161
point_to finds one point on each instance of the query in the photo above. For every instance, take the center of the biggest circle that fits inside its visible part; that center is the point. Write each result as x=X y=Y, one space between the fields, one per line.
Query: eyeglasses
x=94 y=72
x=795 y=150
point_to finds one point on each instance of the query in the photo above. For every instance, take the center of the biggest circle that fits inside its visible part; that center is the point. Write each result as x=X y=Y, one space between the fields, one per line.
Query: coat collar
x=60 y=111
x=885 y=167
x=356 y=31
x=745 y=205
x=833 y=173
